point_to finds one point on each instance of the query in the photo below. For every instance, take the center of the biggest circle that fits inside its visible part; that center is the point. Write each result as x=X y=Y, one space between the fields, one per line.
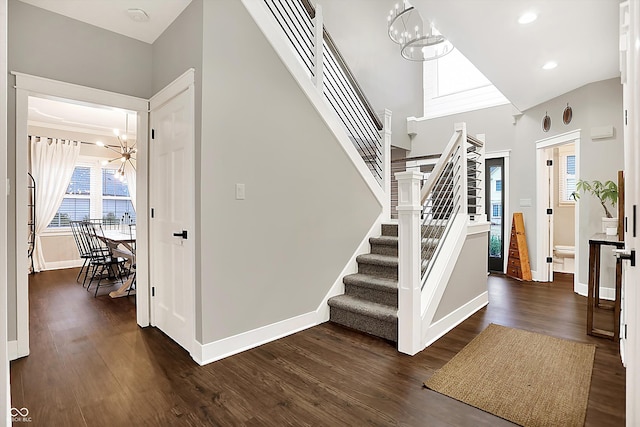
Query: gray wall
x=596 y=104
x=175 y=51
x=469 y=277
x=277 y=253
x=359 y=28
x=49 y=45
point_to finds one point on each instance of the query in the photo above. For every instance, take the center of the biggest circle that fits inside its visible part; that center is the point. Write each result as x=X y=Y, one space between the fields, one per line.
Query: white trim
x=59 y=265
x=12 y=350
x=438 y=279
x=605 y=293
x=478 y=227
x=506 y=209
x=5 y=390
x=260 y=14
x=352 y=267
x=560 y=139
x=544 y=241
x=28 y=85
x=173 y=89
x=44 y=86
x=186 y=82
x=235 y=344
x=439 y=328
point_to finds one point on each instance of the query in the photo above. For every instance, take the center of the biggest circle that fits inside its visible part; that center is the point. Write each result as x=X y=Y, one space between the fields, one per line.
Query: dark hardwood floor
x=91 y=365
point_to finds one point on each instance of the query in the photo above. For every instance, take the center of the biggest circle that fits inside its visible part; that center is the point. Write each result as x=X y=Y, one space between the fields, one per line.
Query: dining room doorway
x=31 y=94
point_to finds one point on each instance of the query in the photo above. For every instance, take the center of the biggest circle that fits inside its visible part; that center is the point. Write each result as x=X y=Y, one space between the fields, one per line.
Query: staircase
x=370 y=301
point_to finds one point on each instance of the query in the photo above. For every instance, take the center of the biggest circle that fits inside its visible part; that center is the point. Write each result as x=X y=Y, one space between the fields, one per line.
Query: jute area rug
x=526 y=378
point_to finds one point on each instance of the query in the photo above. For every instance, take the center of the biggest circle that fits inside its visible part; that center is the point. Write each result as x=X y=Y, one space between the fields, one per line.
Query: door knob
x=182 y=234
x=624 y=254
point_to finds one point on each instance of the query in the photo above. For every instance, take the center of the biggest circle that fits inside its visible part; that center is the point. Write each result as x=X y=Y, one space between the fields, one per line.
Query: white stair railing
x=302 y=25
x=427 y=214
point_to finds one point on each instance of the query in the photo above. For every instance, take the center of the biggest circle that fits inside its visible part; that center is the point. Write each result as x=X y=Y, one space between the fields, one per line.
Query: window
x=76 y=203
x=452 y=84
x=499 y=185
x=496 y=211
x=566 y=175
x=116 y=201
x=93 y=192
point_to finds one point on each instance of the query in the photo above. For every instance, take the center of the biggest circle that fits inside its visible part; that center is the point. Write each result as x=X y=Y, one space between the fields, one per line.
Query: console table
x=593 y=300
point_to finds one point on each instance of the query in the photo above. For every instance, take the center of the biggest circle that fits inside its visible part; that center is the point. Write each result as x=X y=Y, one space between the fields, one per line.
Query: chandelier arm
x=112 y=149
x=131 y=163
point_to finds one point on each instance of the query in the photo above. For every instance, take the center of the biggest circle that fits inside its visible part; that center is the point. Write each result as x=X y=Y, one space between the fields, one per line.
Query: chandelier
x=406 y=28
x=125 y=153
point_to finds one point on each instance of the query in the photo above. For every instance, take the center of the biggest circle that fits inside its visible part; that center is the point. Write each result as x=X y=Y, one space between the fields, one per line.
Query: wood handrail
x=345 y=68
x=409 y=159
x=474 y=141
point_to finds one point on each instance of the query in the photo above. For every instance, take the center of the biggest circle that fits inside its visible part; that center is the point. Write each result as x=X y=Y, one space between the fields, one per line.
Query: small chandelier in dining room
x=125 y=153
x=407 y=28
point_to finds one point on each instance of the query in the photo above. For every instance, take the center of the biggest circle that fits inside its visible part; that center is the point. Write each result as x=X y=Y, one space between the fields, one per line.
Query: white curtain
x=52 y=165
x=130 y=176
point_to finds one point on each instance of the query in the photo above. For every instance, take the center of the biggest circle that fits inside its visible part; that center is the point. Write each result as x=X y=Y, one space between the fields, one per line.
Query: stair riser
x=392 y=230
x=384 y=250
x=377 y=327
x=386 y=272
x=373 y=295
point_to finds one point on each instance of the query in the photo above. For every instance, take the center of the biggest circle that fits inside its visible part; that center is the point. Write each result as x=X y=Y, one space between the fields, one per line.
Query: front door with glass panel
x=495 y=203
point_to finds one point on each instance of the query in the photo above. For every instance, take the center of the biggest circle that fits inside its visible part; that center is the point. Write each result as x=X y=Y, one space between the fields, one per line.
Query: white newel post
x=386 y=164
x=409 y=262
x=318 y=26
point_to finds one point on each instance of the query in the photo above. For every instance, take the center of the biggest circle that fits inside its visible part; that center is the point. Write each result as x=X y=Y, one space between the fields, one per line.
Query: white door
x=630 y=326
x=171 y=242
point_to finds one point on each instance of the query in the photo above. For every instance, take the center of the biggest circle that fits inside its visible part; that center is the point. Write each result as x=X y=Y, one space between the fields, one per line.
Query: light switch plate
x=240 y=194
x=525 y=202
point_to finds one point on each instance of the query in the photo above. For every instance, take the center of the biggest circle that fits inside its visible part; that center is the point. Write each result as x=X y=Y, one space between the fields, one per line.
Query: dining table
x=122 y=244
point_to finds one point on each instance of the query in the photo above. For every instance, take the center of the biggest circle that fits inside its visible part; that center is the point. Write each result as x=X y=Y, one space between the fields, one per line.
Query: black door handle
x=182 y=234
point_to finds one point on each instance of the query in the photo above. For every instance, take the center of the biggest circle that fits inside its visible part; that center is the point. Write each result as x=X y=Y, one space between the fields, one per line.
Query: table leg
x=596 y=274
x=591 y=287
x=123 y=291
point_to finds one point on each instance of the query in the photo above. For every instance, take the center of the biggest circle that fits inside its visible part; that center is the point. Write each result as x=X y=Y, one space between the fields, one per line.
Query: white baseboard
x=12 y=350
x=605 y=293
x=59 y=265
x=453 y=319
x=210 y=352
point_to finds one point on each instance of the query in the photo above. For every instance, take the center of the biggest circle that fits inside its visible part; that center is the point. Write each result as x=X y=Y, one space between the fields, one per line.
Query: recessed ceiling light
x=138 y=15
x=527 y=18
x=550 y=65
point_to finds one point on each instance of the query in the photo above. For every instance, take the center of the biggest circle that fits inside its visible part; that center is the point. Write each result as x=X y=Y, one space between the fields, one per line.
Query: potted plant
x=606 y=193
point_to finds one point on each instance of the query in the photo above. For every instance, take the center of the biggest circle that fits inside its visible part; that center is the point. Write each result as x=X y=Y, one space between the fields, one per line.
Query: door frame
x=186 y=82
x=29 y=85
x=544 y=270
x=506 y=184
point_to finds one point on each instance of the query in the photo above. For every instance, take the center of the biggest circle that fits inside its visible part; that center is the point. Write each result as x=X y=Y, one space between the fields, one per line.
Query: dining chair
x=132 y=235
x=84 y=249
x=103 y=264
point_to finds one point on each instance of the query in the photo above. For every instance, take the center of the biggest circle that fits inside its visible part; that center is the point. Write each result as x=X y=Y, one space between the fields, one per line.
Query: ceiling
x=76 y=117
x=112 y=14
x=580 y=35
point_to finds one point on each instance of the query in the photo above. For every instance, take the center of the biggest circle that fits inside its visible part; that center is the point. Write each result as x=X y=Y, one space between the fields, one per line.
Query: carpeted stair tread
x=371 y=282
x=377 y=259
x=365 y=308
x=384 y=240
